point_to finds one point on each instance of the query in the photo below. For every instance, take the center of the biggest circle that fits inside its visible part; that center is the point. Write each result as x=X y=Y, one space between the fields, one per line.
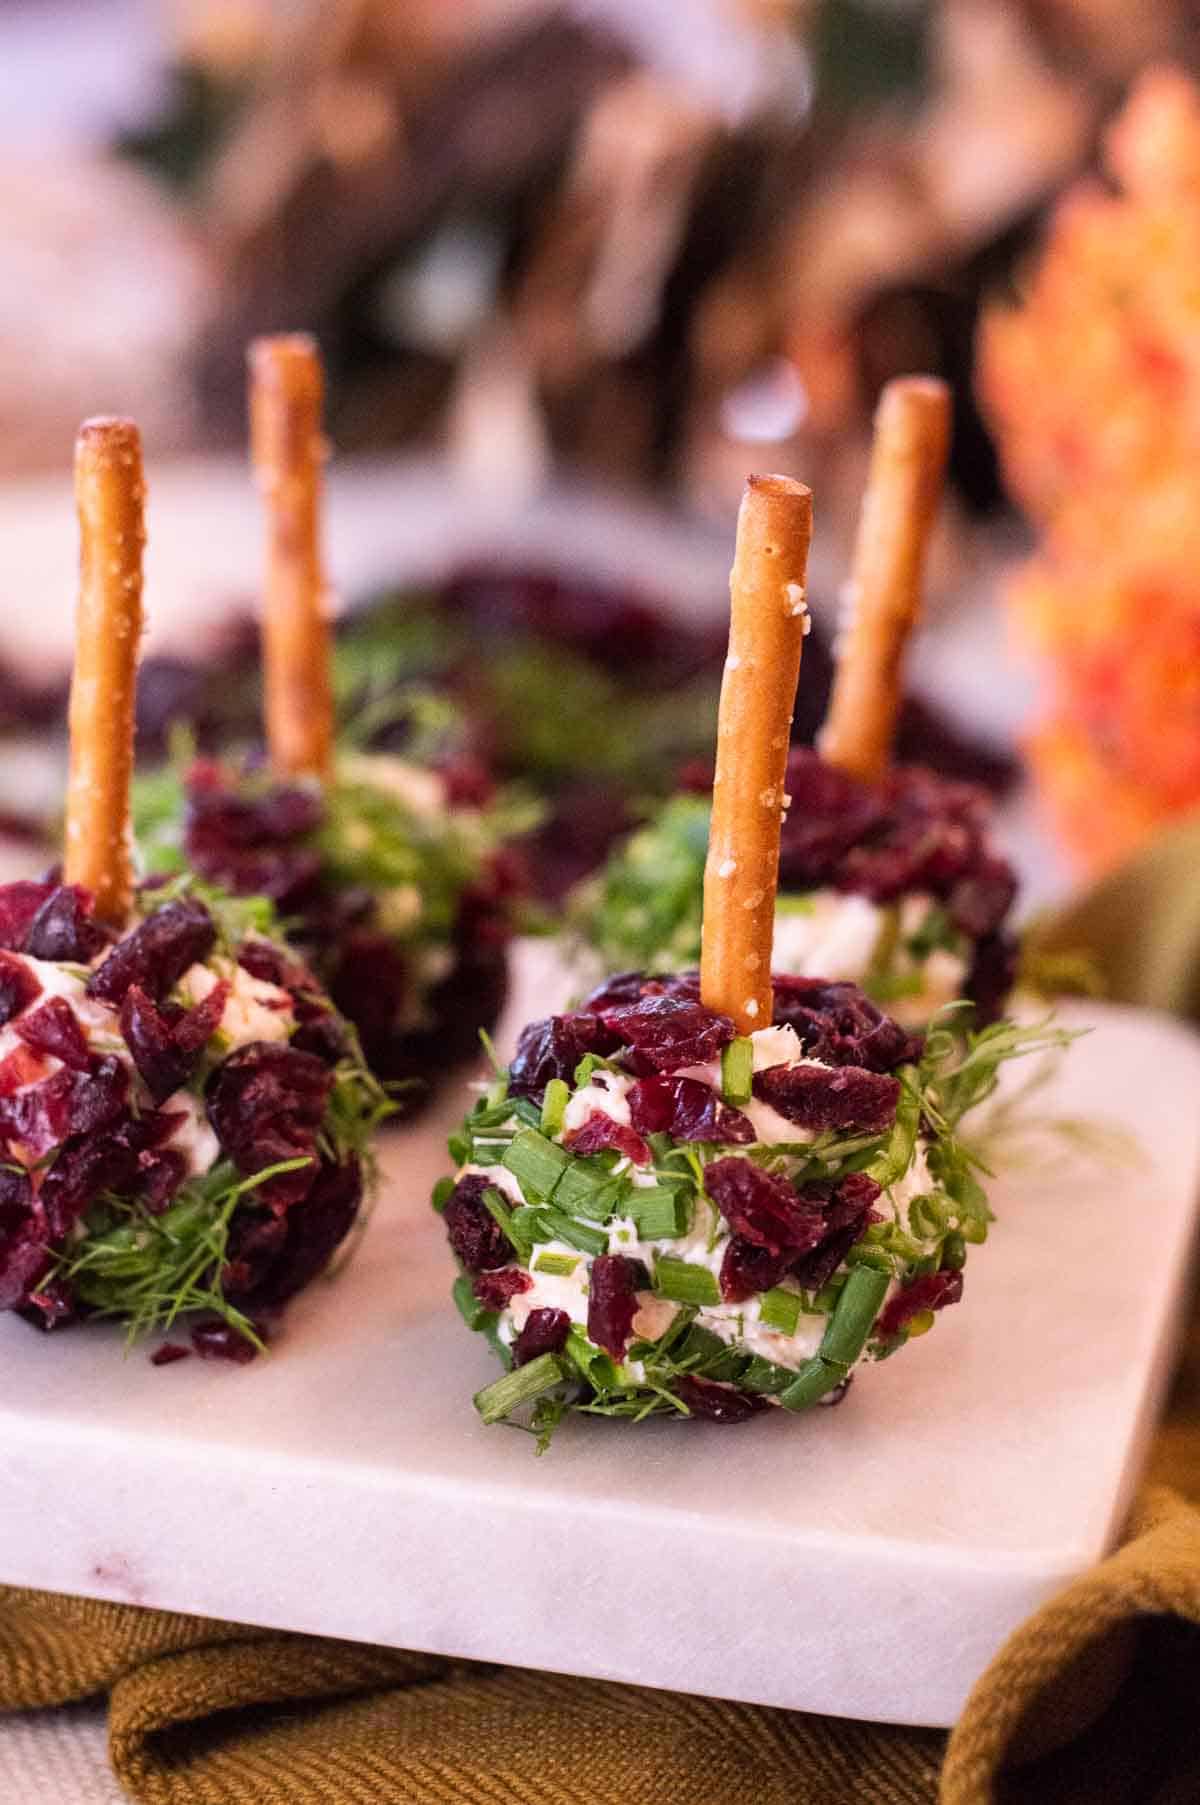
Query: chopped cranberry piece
x=168 y=1354
x=717 y=1403
x=55 y=1029
x=51 y=1305
x=166 y=1043
x=19 y=903
x=688 y=1110
x=992 y=974
x=621 y=990
x=848 y=1214
x=978 y=903
x=544 y=1332
x=762 y=1208
x=157 y=953
x=323 y=1034
x=266 y=962
x=830 y=813
x=817 y=1098
x=497 y=1289
x=18 y=1068
x=476 y=1237
x=553 y=1048
x=600 y=1131
x=839 y=1025
x=38 y=1117
x=612 y=1301
x=24 y=1238
x=670 y=1031
x=161 y=1175
x=371 y=983
x=312 y=1233
x=18 y=987
x=266 y=1103
x=746 y=1269
x=85 y=1165
x=63 y=928
x=933 y=1291
x=98 y=1100
x=220 y=1341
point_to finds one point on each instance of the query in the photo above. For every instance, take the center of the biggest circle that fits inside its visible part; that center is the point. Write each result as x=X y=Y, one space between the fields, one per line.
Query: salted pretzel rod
x=287 y=448
x=110 y=495
x=908 y=461
x=768 y=621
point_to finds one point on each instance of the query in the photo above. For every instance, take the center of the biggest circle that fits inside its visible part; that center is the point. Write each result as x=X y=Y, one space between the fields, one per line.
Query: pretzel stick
x=908 y=460
x=768 y=621
x=109 y=495
x=287 y=448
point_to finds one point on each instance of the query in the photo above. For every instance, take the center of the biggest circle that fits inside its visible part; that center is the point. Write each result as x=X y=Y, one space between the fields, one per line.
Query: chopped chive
x=554 y=1106
x=780 y=1309
x=501 y=1397
x=443 y=1190
x=587 y=1186
x=557 y=1265
x=661 y=1212
x=576 y=1234
x=592 y=1362
x=527 y=1111
x=489 y=1328
x=811 y=1382
x=469 y=1306
x=459 y=1146
x=685 y=1283
x=530 y=1224
x=699 y=1346
x=737 y=1070
x=863 y=1254
x=536 y=1163
x=857 y=1307
x=496 y=1205
x=765 y=1378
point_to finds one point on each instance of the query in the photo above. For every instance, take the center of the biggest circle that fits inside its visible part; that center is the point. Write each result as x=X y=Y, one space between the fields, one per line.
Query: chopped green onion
x=459 y=1146
x=737 y=1070
x=587 y=1187
x=661 y=1212
x=811 y=1382
x=554 y=1105
x=857 y=1308
x=536 y=1163
x=765 y=1378
x=530 y=1223
x=557 y=1265
x=863 y=1254
x=496 y=1205
x=685 y=1283
x=443 y=1190
x=527 y=1111
x=469 y=1306
x=576 y=1234
x=699 y=1346
x=501 y=1397
x=779 y=1309
x=595 y=1365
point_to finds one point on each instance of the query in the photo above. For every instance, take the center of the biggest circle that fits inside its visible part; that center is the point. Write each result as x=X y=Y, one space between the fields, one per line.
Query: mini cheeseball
x=398 y=893
x=894 y=886
x=184 y=1117
x=654 y=1216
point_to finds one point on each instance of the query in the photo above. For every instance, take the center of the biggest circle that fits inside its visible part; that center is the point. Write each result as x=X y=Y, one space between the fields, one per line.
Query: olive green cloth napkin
x=1095 y=1701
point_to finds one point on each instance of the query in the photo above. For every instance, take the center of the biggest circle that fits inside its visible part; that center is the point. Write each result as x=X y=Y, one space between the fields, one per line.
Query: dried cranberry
x=612 y=1301
x=84 y=1166
x=932 y=1291
x=622 y=989
x=63 y=928
x=476 y=1237
x=992 y=974
x=157 y=953
x=268 y=963
x=553 y=1048
x=18 y=987
x=979 y=902
x=218 y=811
x=838 y=1024
x=52 y=1305
x=831 y=812
x=159 y=1177
x=166 y=1044
x=818 y=1098
x=23 y=1238
x=313 y=1232
x=168 y=1354
x=19 y=903
x=762 y=1208
x=544 y=1332
x=221 y=1341
x=747 y=1270
x=688 y=1110
x=848 y=1214
x=18 y=1068
x=668 y=1032
x=600 y=1131
x=55 y=1029
x=266 y=1103
x=39 y=1117
x=496 y=1290
x=371 y=982
x=717 y=1403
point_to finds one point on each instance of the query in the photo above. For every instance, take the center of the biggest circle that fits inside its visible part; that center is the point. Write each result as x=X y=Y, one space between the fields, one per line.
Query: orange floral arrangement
x=1092 y=383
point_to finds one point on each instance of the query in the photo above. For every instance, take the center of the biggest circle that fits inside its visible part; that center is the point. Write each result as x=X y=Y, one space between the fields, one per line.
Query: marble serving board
x=866 y=1561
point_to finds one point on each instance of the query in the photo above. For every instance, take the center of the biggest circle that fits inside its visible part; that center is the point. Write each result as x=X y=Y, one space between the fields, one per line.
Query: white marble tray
x=865 y=1561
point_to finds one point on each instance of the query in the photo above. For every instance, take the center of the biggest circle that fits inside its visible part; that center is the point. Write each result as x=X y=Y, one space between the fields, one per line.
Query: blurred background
x=576 y=267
